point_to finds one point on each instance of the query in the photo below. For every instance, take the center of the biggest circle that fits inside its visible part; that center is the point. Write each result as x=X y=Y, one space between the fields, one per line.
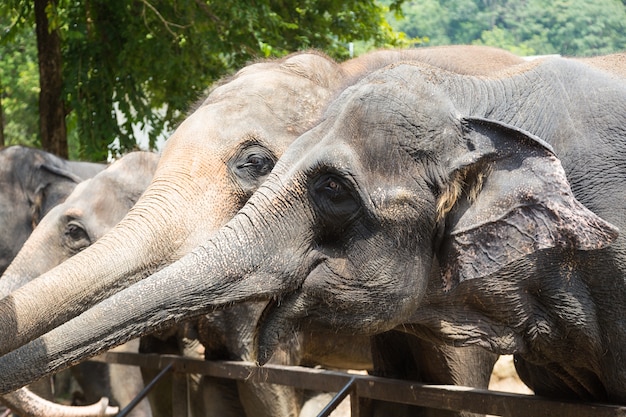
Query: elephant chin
x=304 y=307
x=273 y=327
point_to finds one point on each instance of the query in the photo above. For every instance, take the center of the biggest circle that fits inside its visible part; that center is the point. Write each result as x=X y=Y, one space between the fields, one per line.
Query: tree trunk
x=51 y=105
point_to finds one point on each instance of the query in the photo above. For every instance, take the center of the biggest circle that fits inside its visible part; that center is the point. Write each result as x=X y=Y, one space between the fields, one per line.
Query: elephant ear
x=52 y=184
x=514 y=199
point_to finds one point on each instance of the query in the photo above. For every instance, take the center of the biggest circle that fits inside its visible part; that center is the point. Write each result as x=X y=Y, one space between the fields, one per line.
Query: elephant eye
x=335 y=196
x=332 y=187
x=251 y=165
x=76 y=236
x=257 y=164
x=253 y=161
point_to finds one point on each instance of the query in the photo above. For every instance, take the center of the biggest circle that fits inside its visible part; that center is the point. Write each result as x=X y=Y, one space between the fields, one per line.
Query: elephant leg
x=269 y=400
x=206 y=397
x=127 y=383
x=119 y=383
x=220 y=398
x=551 y=380
x=93 y=378
x=272 y=400
x=160 y=397
x=403 y=356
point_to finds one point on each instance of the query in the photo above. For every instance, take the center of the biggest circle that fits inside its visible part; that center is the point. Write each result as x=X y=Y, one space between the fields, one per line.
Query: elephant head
x=213 y=162
x=92 y=209
x=454 y=206
x=216 y=158
x=31 y=183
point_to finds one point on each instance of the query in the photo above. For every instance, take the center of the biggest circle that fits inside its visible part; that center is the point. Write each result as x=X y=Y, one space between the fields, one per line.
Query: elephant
x=613 y=64
x=213 y=163
x=32 y=181
x=461 y=59
x=478 y=211
x=94 y=206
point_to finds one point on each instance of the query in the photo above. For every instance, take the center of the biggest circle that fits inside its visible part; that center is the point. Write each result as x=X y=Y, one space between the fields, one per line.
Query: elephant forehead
x=269 y=86
x=274 y=96
x=388 y=108
x=221 y=125
x=74 y=212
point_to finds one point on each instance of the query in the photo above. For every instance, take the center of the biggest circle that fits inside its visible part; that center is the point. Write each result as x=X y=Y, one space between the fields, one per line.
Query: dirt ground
x=504 y=377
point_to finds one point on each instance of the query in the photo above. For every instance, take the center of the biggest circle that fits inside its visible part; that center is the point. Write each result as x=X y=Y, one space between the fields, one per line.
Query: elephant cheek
x=327 y=275
x=333 y=285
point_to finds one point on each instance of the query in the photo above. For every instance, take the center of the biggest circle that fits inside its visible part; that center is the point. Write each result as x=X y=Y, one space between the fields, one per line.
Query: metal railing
x=362 y=389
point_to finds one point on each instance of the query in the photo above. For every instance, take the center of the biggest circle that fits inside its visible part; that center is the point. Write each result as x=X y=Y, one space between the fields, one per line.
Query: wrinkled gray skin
x=470 y=211
x=94 y=207
x=212 y=164
x=31 y=183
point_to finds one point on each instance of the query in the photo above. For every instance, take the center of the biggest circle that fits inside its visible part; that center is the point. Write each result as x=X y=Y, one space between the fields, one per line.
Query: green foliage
x=531 y=27
x=19 y=87
x=143 y=62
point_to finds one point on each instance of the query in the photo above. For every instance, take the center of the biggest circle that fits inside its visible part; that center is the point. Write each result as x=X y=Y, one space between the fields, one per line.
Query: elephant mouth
x=284 y=311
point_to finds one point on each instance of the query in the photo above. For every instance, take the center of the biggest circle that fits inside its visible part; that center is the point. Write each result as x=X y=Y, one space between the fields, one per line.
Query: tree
x=143 y=62
x=19 y=86
x=530 y=27
x=51 y=103
x=575 y=27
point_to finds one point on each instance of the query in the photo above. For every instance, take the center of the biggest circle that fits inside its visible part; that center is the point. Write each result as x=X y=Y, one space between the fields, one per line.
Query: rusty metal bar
x=431 y=396
x=337 y=399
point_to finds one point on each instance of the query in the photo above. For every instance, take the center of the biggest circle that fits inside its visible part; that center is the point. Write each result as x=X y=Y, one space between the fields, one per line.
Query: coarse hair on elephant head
x=475 y=60
x=614 y=64
x=32 y=181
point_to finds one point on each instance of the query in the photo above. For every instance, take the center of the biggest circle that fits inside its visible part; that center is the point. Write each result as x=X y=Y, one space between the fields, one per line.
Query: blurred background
x=92 y=79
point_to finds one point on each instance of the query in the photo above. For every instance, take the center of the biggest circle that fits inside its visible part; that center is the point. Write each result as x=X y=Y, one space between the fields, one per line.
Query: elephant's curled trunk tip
x=28 y=404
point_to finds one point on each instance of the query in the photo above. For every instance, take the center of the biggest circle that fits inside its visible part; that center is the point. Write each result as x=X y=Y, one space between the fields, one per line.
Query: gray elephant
x=214 y=161
x=31 y=183
x=92 y=209
x=470 y=211
x=95 y=206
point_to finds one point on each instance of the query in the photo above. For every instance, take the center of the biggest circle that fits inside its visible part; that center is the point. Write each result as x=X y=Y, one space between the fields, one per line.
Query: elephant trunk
x=243 y=261
x=28 y=404
x=133 y=249
x=32 y=260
